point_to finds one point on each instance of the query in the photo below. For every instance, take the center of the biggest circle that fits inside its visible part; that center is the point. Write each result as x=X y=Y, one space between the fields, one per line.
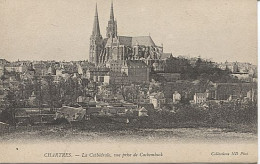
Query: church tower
x=96 y=41
x=112 y=24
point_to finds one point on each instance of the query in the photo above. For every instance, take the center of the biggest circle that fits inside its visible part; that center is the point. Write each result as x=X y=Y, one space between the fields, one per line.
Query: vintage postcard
x=126 y=81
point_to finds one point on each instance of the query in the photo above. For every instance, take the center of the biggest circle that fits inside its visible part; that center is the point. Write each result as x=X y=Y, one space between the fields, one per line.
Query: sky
x=59 y=30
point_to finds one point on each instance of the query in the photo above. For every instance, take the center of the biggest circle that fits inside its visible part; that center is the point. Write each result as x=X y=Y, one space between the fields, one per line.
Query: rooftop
x=135 y=63
x=131 y=41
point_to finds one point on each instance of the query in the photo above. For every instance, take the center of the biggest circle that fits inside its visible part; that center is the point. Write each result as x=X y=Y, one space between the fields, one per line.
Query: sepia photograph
x=97 y=81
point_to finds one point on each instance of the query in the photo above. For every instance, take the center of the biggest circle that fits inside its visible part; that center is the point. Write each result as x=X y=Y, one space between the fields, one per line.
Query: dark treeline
x=200 y=70
x=216 y=115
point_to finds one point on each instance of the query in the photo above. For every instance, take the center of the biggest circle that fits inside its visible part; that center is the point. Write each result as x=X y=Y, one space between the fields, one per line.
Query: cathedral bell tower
x=96 y=41
x=112 y=25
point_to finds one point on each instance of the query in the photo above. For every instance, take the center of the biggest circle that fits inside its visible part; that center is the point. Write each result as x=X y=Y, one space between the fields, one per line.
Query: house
x=15 y=67
x=51 y=70
x=115 y=65
x=116 y=110
x=136 y=71
x=118 y=78
x=252 y=95
x=80 y=70
x=142 y=112
x=242 y=76
x=200 y=98
x=60 y=72
x=148 y=106
x=182 y=86
x=40 y=68
x=83 y=100
x=32 y=99
x=121 y=111
x=98 y=74
x=176 y=97
x=70 y=113
x=157 y=99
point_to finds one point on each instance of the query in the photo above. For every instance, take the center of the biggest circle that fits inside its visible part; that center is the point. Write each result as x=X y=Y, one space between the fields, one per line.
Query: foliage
x=11 y=104
x=230 y=113
x=205 y=70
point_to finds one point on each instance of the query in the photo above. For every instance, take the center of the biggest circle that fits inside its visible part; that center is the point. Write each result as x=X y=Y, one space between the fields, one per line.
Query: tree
x=11 y=101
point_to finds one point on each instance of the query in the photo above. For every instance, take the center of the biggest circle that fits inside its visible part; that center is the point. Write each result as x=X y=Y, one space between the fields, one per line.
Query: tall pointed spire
x=112 y=24
x=96 y=29
x=95 y=41
x=111 y=12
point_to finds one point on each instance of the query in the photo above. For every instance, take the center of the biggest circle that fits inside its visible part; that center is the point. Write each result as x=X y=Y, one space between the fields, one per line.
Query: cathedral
x=120 y=48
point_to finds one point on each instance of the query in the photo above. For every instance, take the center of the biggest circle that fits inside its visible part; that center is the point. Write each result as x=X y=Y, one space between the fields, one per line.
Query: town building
x=128 y=71
x=181 y=86
x=40 y=68
x=157 y=99
x=32 y=100
x=200 y=98
x=15 y=67
x=98 y=74
x=118 y=78
x=176 y=97
x=137 y=71
x=242 y=76
x=142 y=112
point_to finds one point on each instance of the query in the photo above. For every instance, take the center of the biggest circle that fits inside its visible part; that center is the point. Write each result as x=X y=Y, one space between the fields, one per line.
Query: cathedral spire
x=95 y=41
x=96 y=29
x=112 y=24
x=112 y=12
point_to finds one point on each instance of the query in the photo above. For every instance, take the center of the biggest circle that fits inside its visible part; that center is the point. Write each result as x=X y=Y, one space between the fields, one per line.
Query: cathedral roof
x=143 y=40
x=125 y=40
x=132 y=41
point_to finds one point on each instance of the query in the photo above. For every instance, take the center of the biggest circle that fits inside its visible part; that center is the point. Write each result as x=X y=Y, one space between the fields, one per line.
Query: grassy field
x=90 y=131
